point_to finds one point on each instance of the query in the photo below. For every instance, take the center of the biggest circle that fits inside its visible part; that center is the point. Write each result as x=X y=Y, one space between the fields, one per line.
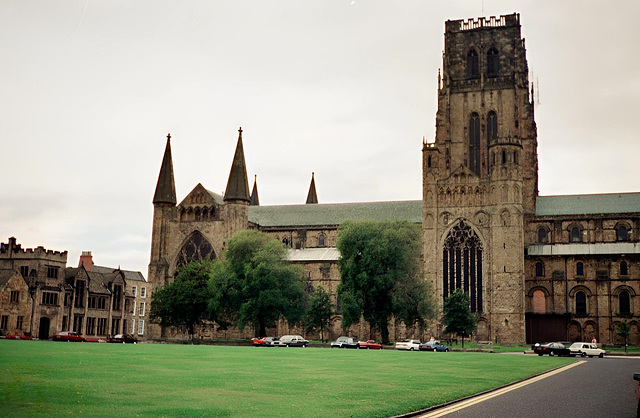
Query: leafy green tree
x=458 y=317
x=183 y=303
x=623 y=330
x=253 y=284
x=381 y=274
x=319 y=311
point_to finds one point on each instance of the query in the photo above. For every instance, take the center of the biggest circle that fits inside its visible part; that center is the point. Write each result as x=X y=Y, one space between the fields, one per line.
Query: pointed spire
x=166 y=187
x=312 y=196
x=255 y=200
x=238 y=185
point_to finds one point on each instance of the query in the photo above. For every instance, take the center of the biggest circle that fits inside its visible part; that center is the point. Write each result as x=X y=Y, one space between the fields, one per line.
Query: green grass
x=42 y=377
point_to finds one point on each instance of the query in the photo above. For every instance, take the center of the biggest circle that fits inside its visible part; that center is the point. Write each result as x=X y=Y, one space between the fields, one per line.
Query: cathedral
x=536 y=268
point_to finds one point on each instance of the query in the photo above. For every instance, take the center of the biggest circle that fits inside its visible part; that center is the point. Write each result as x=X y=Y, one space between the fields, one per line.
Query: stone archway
x=574 y=332
x=43 y=330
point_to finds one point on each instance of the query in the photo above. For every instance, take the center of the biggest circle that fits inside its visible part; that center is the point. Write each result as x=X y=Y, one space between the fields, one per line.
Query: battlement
x=482 y=22
x=12 y=249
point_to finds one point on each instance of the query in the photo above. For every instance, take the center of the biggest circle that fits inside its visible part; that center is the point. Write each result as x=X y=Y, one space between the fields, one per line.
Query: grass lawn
x=42 y=377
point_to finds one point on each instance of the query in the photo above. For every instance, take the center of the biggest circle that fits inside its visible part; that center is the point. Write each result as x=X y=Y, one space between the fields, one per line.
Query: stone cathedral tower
x=480 y=174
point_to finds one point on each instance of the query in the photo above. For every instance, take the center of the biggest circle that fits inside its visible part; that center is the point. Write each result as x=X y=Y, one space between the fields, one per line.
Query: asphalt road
x=598 y=387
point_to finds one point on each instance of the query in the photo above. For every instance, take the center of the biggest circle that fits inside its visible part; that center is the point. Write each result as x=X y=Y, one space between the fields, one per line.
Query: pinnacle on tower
x=166 y=187
x=312 y=196
x=238 y=185
x=255 y=201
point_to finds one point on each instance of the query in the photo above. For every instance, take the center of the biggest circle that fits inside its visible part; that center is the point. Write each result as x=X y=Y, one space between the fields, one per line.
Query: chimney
x=86 y=260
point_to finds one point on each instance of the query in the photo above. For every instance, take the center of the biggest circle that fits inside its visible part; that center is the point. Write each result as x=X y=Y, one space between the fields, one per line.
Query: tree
x=254 y=284
x=183 y=303
x=319 y=311
x=381 y=274
x=623 y=330
x=458 y=317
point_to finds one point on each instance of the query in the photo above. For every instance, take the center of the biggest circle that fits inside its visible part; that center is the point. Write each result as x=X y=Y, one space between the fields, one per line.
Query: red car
x=18 y=337
x=370 y=344
x=258 y=342
x=67 y=336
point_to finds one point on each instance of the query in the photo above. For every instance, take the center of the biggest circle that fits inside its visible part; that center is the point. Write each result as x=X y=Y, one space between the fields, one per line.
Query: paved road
x=594 y=388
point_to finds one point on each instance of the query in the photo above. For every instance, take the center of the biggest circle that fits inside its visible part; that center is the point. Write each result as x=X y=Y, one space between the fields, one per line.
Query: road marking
x=465 y=404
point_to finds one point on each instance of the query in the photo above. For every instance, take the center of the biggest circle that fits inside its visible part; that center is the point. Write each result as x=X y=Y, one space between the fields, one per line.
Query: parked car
x=270 y=342
x=370 y=344
x=258 y=342
x=345 y=342
x=124 y=338
x=293 y=341
x=433 y=345
x=18 y=337
x=67 y=336
x=585 y=349
x=552 y=349
x=411 y=345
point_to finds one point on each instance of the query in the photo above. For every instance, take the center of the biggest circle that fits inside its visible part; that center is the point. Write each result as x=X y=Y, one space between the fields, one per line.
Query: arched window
x=462 y=264
x=538 y=302
x=321 y=240
x=493 y=62
x=581 y=303
x=624 y=301
x=622 y=234
x=575 y=234
x=539 y=269
x=474 y=143
x=492 y=125
x=542 y=235
x=196 y=248
x=473 y=70
x=624 y=268
x=579 y=268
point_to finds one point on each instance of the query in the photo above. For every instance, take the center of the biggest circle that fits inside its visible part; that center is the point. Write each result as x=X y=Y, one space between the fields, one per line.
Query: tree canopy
x=183 y=303
x=253 y=284
x=458 y=317
x=319 y=311
x=381 y=274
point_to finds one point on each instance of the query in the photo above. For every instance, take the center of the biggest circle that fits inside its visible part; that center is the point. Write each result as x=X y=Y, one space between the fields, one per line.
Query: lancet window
x=474 y=143
x=462 y=264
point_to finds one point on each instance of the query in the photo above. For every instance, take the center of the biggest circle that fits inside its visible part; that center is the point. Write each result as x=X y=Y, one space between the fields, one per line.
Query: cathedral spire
x=166 y=187
x=238 y=185
x=312 y=196
x=255 y=201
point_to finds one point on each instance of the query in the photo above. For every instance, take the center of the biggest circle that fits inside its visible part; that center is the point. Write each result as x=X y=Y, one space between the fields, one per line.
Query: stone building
x=40 y=296
x=536 y=268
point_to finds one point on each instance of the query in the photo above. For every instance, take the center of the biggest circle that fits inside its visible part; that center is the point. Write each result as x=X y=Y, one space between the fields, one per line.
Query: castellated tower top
x=482 y=22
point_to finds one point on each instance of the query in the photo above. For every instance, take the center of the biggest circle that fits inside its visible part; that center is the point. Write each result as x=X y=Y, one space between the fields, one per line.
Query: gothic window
x=492 y=62
x=473 y=70
x=575 y=234
x=492 y=125
x=624 y=302
x=581 y=303
x=622 y=234
x=474 y=143
x=196 y=248
x=539 y=269
x=579 y=268
x=542 y=235
x=321 y=241
x=624 y=268
x=462 y=264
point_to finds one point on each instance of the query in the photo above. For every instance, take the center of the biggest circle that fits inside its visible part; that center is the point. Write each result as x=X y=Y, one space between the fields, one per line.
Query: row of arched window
x=581 y=307
x=579 y=271
x=473 y=63
x=575 y=234
x=322 y=241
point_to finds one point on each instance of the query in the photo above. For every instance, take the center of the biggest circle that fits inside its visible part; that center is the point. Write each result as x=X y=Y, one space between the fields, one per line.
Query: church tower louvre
x=480 y=174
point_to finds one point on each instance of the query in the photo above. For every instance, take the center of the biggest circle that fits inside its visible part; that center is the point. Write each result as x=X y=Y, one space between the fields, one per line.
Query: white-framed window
x=133 y=326
x=141 y=310
x=140 y=327
x=134 y=307
x=143 y=292
x=134 y=290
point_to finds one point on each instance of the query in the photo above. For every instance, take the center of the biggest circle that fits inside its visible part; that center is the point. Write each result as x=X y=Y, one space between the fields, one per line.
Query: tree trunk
x=384 y=331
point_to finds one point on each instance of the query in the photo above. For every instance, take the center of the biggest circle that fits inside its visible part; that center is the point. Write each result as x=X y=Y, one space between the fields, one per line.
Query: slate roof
x=128 y=274
x=588 y=204
x=6 y=275
x=313 y=254
x=334 y=213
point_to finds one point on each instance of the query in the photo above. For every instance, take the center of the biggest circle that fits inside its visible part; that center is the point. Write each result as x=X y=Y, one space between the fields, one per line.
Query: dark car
x=433 y=345
x=67 y=336
x=124 y=338
x=270 y=342
x=345 y=342
x=551 y=349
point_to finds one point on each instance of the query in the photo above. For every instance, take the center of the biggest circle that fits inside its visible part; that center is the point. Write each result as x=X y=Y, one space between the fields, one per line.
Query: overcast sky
x=343 y=88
